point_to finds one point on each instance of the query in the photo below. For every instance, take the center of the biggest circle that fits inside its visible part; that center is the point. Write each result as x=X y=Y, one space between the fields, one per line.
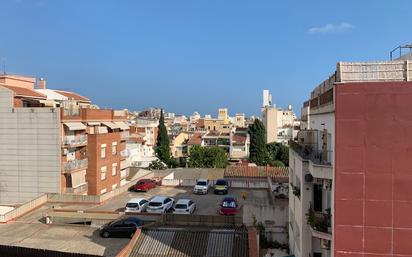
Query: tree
x=162 y=148
x=258 y=151
x=278 y=154
x=157 y=165
x=207 y=157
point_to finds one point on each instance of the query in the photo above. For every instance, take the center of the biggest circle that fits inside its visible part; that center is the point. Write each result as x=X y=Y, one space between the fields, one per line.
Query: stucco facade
x=29 y=151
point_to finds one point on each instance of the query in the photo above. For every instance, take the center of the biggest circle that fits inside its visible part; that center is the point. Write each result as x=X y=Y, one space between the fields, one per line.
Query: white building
x=267 y=99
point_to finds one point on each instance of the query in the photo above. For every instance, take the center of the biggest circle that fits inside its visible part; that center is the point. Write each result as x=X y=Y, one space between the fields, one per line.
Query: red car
x=229 y=206
x=144 y=185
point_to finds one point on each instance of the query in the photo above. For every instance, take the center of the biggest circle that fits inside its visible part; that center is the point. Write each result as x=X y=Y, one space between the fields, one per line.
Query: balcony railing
x=319 y=221
x=77 y=190
x=309 y=152
x=75 y=165
x=75 y=140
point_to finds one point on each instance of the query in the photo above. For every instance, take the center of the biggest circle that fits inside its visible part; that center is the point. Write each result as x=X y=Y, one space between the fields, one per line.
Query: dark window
x=317 y=198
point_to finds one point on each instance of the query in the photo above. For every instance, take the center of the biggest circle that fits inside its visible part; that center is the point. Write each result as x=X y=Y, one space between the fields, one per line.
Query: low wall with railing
x=23 y=209
x=234 y=183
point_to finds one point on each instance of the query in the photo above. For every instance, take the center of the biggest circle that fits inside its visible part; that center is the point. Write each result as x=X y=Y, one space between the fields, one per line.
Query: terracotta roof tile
x=196 y=139
x=276 y=173
x=25 y=92
x=72 y=95
x=239 y=139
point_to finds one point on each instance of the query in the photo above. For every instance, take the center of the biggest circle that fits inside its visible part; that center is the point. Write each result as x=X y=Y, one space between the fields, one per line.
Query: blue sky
x=195 y=55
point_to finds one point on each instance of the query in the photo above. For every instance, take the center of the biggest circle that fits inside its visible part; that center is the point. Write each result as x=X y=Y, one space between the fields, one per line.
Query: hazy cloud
x=331 y=28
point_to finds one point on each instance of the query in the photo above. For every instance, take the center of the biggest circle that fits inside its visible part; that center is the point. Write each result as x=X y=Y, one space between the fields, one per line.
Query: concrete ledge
x=321 y=171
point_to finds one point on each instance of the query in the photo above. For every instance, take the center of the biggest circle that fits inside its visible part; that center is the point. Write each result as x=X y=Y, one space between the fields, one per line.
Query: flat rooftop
x=77 y=239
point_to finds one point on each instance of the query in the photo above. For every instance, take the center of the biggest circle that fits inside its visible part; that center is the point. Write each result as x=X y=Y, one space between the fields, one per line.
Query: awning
x=110 y=124
x=94 y=123
x=122 y=125
x=75 y=125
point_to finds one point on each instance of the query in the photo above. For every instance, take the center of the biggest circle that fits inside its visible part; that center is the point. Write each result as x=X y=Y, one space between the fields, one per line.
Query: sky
x=195 y=55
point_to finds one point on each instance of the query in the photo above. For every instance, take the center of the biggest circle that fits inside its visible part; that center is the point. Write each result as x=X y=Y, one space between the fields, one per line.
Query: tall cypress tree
x=258 y=150
x=162 y=146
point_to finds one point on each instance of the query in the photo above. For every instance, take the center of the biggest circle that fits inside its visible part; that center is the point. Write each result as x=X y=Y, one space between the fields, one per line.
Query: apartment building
x=45 y=141
x=349 y=168
x=148 y=127
x=239 y=120
x=239 y=144
x=279 y=123
x=29 y=142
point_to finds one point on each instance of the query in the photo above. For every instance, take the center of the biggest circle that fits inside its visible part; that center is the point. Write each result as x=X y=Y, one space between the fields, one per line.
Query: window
x=114 y=168
x=103 y=151
x=114 y=148
x=103 y=171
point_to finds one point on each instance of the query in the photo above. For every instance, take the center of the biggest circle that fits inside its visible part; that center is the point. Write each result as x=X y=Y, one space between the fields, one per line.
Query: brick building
x=44 y=142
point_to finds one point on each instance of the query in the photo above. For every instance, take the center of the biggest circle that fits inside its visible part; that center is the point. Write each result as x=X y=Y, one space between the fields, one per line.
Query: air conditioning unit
x=325 y=244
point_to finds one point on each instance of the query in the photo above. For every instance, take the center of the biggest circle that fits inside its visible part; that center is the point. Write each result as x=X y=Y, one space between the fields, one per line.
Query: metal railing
x=75 y=140
x=310 y=152
x=77 y=190
x=76 y=164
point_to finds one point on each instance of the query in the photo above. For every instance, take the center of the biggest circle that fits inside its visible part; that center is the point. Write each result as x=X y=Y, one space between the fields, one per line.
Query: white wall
x=328 y=120
x=29 y=151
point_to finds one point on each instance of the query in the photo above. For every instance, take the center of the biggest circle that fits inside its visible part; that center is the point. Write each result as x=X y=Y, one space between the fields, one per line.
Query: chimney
x=41 y=83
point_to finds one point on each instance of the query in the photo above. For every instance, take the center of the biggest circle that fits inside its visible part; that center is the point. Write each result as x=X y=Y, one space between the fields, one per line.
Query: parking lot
x=205 y=204
x=30 y=231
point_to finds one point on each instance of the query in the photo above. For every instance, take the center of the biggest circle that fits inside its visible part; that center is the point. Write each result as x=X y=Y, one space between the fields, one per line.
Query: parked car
x=160 y=204
x=145 y=185
x=184 y=206
x=229 y=206
x=137 y=205
x=202 y=187
x=123 y=227
x=221 y=186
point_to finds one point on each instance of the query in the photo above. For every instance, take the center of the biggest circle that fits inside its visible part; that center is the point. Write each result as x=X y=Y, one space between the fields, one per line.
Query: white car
x=184 y=206
x=160 y=204
x=137 y=205
x=202 y=187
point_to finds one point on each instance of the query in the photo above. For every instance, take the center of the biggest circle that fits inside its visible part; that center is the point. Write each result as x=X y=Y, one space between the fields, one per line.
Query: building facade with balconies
x=44 y=137
x=349 y=166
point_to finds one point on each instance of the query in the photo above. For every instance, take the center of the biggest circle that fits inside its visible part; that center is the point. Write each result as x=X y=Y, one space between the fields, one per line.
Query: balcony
x=77 y=190
x=310 y=152
x=124 y=173
x=125 y=153
x=320 y=223
x=79 y=140
x=124 y=164
x=75 y=165
x=124 y=135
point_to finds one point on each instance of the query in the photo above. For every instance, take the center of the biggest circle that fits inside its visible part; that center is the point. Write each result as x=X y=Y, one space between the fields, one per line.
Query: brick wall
x=93 y=174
